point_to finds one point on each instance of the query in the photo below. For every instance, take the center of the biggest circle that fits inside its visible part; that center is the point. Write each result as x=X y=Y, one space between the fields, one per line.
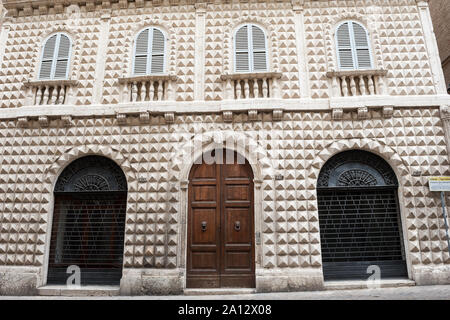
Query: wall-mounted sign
x=439 y=184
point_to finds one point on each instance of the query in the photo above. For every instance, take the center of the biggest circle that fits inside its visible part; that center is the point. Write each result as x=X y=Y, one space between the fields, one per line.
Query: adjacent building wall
x=440 y=13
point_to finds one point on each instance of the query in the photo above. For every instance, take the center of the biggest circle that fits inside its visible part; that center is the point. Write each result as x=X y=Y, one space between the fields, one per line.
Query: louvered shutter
x=141 y=53
x=158 y=50
x=48 y=55
x=344 y=44
x=62 y=62
x=259 y=49
x=242 y=50
x=362 y=47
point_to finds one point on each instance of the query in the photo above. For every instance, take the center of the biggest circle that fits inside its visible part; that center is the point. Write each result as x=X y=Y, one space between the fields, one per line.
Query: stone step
x=221 y=291
x=363 y=284
x=84 y=291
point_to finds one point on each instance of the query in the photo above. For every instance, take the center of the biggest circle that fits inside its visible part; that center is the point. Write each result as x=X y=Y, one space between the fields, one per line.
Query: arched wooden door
x=221 y=245
x=89 y=222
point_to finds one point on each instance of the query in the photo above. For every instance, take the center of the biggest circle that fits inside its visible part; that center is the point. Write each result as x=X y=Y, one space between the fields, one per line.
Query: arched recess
x=88 y=228
x=221 y=224
x=191 y=153
x=359 y=217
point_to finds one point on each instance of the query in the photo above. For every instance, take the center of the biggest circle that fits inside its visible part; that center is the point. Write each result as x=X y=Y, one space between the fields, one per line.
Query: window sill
x=256 y=75
x=349 y=73
x=42 y=83
x=160 y=77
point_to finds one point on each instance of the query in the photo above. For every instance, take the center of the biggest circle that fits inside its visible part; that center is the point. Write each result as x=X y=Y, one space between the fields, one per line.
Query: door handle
x=237 y=226
x=204 y=226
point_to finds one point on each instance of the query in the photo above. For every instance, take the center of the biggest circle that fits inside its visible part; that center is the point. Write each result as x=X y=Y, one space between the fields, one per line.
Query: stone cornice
x=162 y=77
x=258 y=75
x=260 y=105
x=349 y=73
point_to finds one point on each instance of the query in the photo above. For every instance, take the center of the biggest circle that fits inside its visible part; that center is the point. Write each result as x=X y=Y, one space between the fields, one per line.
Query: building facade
x=440 y=13
x=275 y=145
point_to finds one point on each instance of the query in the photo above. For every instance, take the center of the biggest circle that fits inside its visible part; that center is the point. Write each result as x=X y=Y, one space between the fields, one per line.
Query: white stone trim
x=267 y=105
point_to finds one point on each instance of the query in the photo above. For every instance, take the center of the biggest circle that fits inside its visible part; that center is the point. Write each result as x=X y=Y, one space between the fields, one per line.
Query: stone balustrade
x=54 y=92
x=148 y=88
x=357 y=83
x=251 y=85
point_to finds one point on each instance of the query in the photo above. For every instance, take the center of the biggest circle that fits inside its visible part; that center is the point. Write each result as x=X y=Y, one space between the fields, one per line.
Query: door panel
x=221 y=226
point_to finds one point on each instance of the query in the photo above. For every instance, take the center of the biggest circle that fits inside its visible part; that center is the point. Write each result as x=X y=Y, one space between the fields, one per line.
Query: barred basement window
x=55 y=60
x=149 y=52
x=250 y=49
x=353 y=48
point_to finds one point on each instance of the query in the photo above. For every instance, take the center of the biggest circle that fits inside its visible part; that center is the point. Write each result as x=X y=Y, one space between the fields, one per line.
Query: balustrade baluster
x=265 y=88
x=144 y=91
x=246 y=89
x=160 y=90
x=335 y=87
x=39 y=93
x=371 y=86
x=362 y=86
x=238 y=89
x=54 y=95
x=62 y=95
x=344 y=86
x=152 y=91
x=134 y=92
x=46 y=98
x=379 y=85
x=255 y=89
x=353 y=85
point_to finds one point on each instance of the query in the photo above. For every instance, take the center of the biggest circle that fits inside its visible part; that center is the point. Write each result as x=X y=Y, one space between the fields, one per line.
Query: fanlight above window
x=55 y=58
x=149 y=52
x=353 y=47
x=250 y=49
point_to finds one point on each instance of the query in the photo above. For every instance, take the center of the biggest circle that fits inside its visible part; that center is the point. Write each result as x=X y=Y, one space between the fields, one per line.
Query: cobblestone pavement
x=400 y=293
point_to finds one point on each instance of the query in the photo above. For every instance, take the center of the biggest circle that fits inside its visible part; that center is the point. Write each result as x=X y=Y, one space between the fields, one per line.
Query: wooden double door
x=221 y=249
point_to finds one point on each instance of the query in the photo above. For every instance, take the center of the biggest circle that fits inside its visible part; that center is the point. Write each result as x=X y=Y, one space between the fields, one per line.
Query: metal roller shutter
x=360 y=228
x=88 y=232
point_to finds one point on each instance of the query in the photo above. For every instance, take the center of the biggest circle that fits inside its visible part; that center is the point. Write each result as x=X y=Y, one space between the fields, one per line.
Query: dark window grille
x=359 y=218
x=89 y=223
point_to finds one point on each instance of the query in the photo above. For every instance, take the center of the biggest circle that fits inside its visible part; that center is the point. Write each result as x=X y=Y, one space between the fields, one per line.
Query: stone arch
x=53 y=172
x=70 y=155
x=384 y=151
x=199 y=144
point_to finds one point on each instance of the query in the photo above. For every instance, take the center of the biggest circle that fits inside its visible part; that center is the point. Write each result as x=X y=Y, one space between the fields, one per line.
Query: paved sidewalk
x=401 y=293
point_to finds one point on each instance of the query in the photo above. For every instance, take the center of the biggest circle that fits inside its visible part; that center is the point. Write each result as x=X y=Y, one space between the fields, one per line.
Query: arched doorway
x=221 y=244
x=89 y=222
x=359 y=218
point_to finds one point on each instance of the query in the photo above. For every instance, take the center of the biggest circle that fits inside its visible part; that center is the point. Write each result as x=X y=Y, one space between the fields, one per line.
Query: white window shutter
x=141 y=53
x=344 y=44
x=48 y=55
x=362 y=47
x=259 y=49
x=242 y=55
x=62 y=62
x=158 y=51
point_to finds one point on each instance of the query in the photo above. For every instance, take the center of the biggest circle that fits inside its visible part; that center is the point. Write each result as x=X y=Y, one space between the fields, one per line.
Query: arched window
x=359 y=217
x=353 y=47
x=250 y=49
x=55 y=58
x=89 y=222
x=149 y=52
